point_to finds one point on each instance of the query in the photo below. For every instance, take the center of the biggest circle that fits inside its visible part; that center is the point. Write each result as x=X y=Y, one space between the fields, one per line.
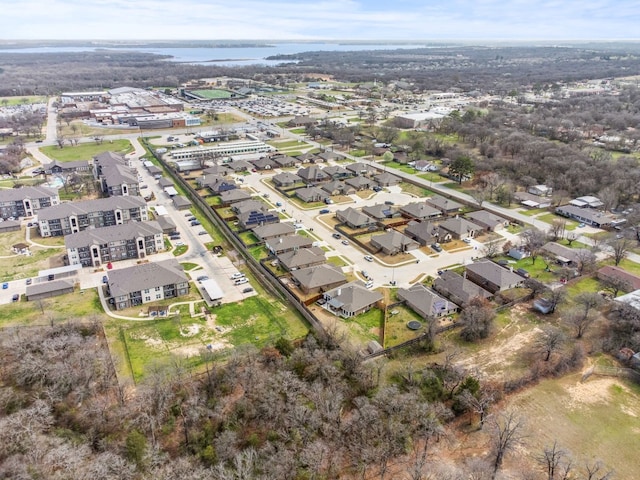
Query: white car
x=368 y=258
x=241 y=281
x=466 y=240
x=237 y=275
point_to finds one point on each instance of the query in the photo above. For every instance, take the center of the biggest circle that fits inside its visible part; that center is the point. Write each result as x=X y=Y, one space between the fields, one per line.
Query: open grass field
x=80 y=129
x=255 y=320
x=85 y=151
x=22 y=100
x=594 y=419
x=81 y=305
x=415 y=190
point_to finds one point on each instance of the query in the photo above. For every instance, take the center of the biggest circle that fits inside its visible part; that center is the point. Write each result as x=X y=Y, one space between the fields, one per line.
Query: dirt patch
x=190 y=330
x=595 y=390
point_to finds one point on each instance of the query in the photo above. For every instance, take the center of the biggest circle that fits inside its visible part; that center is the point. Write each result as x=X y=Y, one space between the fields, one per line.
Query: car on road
x=195 y=223
x=336 y=235
x=324 y=210
x=202 y=278
x=388 y=202
x=15 y=297
x=377 y=188
x=105 y=279
x=369 y=284
x=368 y=258
x=5 y=285
x=345 y=242
x=142 y=187
x=436 y=247
x=364 y=274
x=278 y=204
x=247 y=290
x=39 y=141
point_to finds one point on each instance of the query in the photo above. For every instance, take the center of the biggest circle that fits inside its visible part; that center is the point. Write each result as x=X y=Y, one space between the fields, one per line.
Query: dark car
x=194 y=223
x=324 y=210
x=436 y=247
x=51 y=277
x=247 y=290
x=15 y=297
x=336 y=235
x=105 y=279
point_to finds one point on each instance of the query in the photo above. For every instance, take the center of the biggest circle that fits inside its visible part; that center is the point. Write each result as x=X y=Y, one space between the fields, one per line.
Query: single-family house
x=273 y=231
x=425 y=233
x=420 y=211
x=239 y=166
x=492 y=277
x=318 y=279
x=329 y=156
x=540 y=190
x=532 y=201
x=264 y=163
x=353 y=218
x=610 y=272
x=487 y=220
x=288 y=243
x=337 y=187
x=425 y=302
x=285 y=179
x=359 y=183
x=386 y=179
x=393 y=242
x=285 y=161
x=460 y=228
x=563 y=255
x=587 y=201
x=220 y=170
x=381 y=211
x=445 y=205
x=310 y=194
x=229 y=197
x=249 y=205
x=337 y=172
x=592 y=217
x=302 y=258
x=312 y=174
x=351 y=299
x=458 y=288
x=359 y=168
x=253 y=218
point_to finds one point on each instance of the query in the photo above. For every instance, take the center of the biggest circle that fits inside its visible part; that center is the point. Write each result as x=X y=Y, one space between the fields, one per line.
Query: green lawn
x=415 y=189
x=22 y=100
x=400 y=166
x=337 y=261
x=86 y=151
x=550 y=217
x=396 y=330
x=365 y=327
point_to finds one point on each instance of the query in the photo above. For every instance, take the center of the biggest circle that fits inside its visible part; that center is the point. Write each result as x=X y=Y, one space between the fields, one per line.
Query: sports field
x=209 y=94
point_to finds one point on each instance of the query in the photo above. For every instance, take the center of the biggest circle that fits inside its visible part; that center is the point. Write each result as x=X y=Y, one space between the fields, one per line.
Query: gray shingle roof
x=145 y=276
x=88 y=206
x=116 y=233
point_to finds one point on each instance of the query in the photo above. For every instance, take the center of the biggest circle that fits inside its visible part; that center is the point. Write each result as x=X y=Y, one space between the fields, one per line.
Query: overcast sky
x=321 y=19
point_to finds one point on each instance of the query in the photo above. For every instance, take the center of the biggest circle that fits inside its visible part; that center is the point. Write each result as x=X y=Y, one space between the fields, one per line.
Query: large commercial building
x=95 y=247
x=68 y=218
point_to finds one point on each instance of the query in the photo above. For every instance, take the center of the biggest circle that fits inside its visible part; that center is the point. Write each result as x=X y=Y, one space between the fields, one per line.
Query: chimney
x=339 y=292
x=464 y=274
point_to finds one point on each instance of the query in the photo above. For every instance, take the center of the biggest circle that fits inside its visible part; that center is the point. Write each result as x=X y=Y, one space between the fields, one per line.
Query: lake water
x=226 y=56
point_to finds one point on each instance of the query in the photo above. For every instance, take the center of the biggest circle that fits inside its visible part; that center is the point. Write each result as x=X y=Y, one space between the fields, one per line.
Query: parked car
x=195 y=223
x=241 y=281
x=29 y=281
x=436 y=247
x=105 y=279
x=15 y=297
x=247 y=290
x=365 y=274
x=336 y=235
x=202 y=278
x=466 y=240
x=377 y=189
x=324 y=210
x=202 y=232
x=237 y=275
x=580 y=225
x=388 y=202
x=345 y=242
x=5 y=285
x=142 y=187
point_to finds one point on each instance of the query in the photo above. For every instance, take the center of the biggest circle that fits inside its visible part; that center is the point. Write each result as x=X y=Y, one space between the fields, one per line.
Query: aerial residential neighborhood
x=328 y=247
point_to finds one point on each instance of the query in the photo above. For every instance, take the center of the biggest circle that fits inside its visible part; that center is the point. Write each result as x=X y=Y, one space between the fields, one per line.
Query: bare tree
x=534 y=240
x=595 y=471
x=479 y=402
x=620 y=248
x=507 y=433
x=586 y=260
x=571 y=237
x=550 y=340
x=615 y=284
x=557 y=229
x=491 y=249
x=477 y=319
x=556 y=462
